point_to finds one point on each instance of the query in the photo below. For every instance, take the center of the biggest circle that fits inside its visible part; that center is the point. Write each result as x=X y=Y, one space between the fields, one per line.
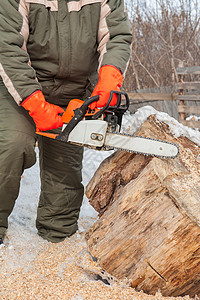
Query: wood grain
x=149 y=225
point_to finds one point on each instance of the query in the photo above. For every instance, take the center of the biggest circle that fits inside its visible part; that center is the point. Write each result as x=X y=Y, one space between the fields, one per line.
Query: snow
x=22 y=242
x=22 y=219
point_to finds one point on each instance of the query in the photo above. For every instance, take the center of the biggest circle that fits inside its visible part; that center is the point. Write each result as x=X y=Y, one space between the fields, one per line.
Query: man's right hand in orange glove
x=45 y=115
x=110 y=78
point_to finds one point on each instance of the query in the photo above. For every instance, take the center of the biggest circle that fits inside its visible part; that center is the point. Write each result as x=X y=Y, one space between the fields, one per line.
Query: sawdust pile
x=59 y=271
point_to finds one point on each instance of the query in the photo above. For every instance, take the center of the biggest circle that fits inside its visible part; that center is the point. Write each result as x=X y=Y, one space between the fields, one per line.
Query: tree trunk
x=149 y=225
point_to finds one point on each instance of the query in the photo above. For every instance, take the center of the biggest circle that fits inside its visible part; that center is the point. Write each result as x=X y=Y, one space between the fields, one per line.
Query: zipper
x=64 y=32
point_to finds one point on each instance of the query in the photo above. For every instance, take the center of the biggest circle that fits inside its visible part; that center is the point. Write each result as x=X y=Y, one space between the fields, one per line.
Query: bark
x=149 y=225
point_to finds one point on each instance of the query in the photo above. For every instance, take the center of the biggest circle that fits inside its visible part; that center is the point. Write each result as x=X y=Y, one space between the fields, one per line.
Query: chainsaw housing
x=89 y=133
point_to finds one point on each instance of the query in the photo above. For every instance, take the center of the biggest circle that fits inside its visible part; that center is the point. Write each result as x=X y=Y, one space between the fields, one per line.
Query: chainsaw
x=99 y=129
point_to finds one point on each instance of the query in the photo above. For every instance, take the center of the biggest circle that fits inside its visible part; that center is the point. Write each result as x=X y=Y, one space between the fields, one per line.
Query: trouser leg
x=16 y=154
x=17 y=142
x=61 y=189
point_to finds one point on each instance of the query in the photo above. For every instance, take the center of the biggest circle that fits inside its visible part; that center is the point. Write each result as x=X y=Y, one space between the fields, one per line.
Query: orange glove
x=44 y=114
x=110 y=78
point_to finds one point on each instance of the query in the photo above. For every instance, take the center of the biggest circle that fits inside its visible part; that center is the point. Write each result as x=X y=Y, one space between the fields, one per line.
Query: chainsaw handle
x=87 y=102
x=101 y=111
x=119 y=99
x=79 y=114
x=112 y=108
x=119 y=94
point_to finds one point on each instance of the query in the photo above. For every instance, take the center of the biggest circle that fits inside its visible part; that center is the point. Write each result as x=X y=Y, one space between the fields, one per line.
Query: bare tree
x=163 y=36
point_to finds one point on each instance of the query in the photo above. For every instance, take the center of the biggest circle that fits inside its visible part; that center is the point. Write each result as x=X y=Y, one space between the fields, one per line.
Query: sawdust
x=191 y=160
x=59 y=271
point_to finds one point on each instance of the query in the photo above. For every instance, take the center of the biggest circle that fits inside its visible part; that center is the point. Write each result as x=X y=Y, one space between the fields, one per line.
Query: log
x=149 y=225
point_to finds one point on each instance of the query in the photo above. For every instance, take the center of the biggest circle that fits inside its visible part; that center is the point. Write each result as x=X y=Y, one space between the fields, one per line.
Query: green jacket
x=57 y=46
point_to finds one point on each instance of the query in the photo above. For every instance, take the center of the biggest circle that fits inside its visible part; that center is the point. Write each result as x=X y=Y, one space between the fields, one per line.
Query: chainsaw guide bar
x=142 y=145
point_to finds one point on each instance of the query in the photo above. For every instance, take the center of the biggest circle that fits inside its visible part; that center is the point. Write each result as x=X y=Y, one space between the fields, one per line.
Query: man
x=51 y=52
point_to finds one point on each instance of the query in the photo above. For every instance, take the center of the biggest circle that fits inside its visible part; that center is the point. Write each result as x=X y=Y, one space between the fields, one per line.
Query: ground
x=32 y=268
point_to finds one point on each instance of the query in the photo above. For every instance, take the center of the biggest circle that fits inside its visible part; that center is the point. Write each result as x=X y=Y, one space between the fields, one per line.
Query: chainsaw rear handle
x=79 y=113
x=113 y=108
x=85 y=105
x=87 y=102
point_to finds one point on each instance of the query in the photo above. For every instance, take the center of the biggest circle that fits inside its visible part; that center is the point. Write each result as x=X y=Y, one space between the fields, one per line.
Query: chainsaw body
x=99 y=129
x=86 y=127
x=89 y=133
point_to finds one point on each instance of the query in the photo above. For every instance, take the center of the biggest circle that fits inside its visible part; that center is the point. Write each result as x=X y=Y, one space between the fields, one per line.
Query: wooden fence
x=180 y=102
x=189 y=93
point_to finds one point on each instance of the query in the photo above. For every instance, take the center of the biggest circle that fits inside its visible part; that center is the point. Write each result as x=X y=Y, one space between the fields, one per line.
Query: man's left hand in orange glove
x=110 y=78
